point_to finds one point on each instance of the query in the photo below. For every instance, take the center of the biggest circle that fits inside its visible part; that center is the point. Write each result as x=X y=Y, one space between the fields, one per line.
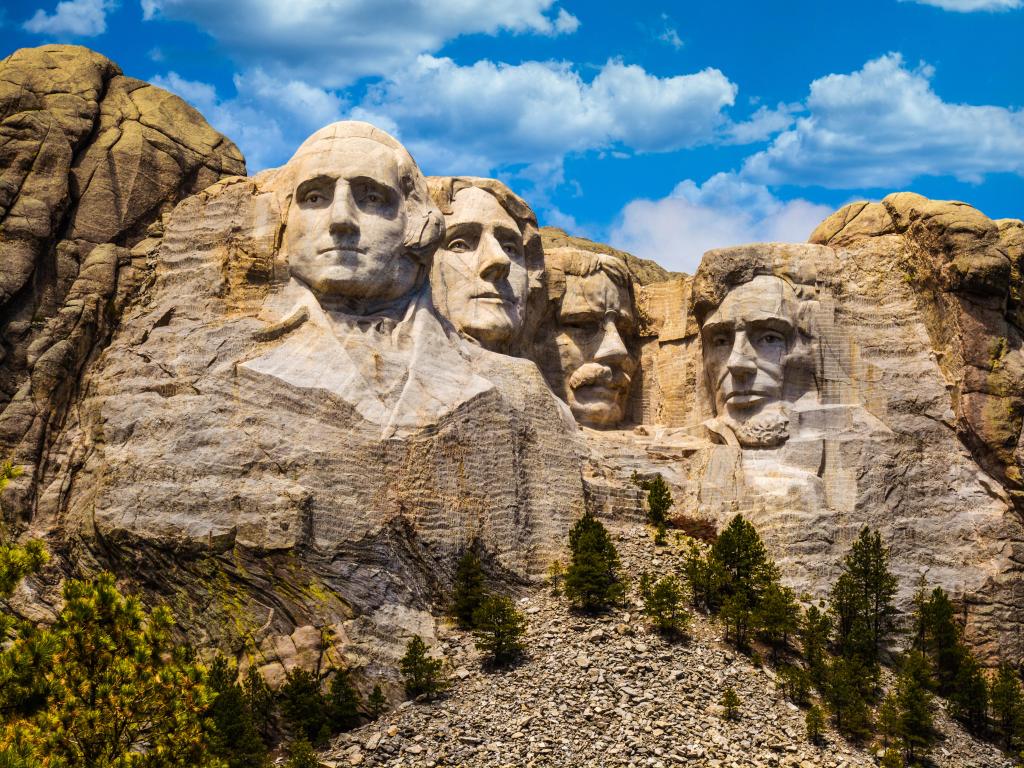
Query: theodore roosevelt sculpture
x=595 y=318
x=488 y=261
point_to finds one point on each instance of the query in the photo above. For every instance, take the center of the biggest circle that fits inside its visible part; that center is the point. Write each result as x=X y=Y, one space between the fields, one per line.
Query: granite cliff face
x=287 y=403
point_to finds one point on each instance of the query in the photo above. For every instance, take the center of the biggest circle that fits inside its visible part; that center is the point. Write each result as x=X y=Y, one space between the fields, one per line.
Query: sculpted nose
x=494 y=262
x=343 y=212
x=613 y=349
x=741 y=359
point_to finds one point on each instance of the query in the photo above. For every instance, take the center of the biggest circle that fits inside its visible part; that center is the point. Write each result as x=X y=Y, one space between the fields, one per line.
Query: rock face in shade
x=286 y=404
x=89 y=162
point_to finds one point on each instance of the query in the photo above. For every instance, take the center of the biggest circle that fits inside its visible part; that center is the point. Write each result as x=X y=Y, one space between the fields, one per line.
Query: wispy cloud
x=72 y=18
x=971 y=6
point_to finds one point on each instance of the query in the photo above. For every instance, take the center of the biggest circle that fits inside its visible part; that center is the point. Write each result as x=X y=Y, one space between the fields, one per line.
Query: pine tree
x=499 y=628
x=913 y=699
x=815 y=721
x=376 y=705
x=592 y=582
x=705 y=576
x=846 y=690
x=968 y=699
x=17 y=562
x=234 y=736
x=796 y=683
x=730 y=704
x=663 y=604
x=422 y=674
x=117 y=685
x=260 y=700
x=815 y=631
x=470 y=589
x=304 y=707
x=659 y=502
x=863 y=598
x=777 y=616
x=1007 y=706
x=937 y=634
x=343 y=702
x=743 y=558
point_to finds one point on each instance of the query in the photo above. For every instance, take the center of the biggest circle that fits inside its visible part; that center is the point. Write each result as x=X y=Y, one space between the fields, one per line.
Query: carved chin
x=596 y=406
x=765 y=430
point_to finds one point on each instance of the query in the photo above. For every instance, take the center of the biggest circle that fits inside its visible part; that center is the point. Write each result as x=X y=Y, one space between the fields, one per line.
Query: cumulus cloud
x=78 y=18
x=725 y=210
x=332 y=43
x=884 y=126
x=487 y=115
x=268 y=118
x=969 y=6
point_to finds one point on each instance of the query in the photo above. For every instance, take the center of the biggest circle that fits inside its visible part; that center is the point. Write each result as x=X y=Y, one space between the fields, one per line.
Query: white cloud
x=484 y=116
x=332 y=43
x=79 y=18
x=970 y=6
x=267 y=118
x=725 y=210
x=761 y=125
x=884 y=126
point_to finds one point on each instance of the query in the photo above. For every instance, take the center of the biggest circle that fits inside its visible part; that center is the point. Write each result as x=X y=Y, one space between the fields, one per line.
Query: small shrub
x=499 y=628
x=663 y=604
x=422 y=674
x=302 y=755
x=796 y=683
x=556 y=575
x=730 y=704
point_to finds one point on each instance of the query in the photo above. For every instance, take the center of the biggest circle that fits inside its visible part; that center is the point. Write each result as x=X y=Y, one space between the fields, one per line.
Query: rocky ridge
x=607 y=691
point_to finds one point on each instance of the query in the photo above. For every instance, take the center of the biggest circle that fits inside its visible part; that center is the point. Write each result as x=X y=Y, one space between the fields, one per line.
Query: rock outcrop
x=89 y=162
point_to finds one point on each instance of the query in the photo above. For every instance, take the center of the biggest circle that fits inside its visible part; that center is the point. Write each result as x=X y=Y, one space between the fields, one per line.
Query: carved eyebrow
x=317 y=182
x=582 y=316
x=505 y=231
x=463 y=229
x=718 y=326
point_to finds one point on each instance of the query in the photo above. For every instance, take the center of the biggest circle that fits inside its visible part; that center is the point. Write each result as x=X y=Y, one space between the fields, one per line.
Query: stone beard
x=479 y=279
x=749 y=344
x=595 y=318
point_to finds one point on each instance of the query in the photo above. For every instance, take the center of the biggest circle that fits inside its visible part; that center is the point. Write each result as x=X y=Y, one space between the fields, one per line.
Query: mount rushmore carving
x=292 y=400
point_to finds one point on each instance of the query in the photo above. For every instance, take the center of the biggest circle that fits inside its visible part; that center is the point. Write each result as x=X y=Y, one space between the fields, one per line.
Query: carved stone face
x=479 y=278
x=346 y=222
x=746 y=342
x=595 y=318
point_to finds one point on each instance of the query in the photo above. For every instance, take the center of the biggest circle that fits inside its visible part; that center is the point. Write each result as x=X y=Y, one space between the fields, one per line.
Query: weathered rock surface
x=89 y=162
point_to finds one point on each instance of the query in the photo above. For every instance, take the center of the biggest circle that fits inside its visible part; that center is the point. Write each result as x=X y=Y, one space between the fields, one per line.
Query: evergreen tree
x=499 y=628
x=815 y=721
x=914 y=725
x=796 y=683
x=659 y=502
x=777 y=616
x=730 y=704
x=968 y=699
x=233 y=735
x=17 y=562
x=117 y=686
x=422 y=674
x=343 y=702
x=705 y=576
x=592 y=582
x=862 y=598
x=304 y=707
x=846 y=691
x=736 y=614
x=376 y=705
x=937 y=634
x=260 y=700
x=302 y=755
x=815 y=630
x=743 y=558
x=470 y=589
x=1007 y=706
x=663 y=604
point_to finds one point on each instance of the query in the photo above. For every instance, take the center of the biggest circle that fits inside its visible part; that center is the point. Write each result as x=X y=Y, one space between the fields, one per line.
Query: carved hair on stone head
x=425 y=226
x=579 y=263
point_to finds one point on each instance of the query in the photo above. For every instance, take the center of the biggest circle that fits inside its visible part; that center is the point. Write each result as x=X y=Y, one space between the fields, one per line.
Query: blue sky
x=663 y=128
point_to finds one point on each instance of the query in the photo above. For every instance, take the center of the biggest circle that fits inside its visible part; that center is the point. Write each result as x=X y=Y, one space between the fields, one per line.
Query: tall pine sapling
x=343 y=702
x=499 y=628
x=593 y=581
x=663 y=604
x=421 y=673
x=1006 y=703
x=376 y=705
x=470 y=589
x=234 y=736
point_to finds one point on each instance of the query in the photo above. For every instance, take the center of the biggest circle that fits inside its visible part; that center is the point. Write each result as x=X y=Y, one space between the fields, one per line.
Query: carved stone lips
x=491 y=295
x=337 y=249
x=743 y=399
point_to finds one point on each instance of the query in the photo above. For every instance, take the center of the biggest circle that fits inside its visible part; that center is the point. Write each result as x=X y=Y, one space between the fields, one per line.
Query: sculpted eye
x=772 y=338
x=313 y=198
x=370 y=196
x=511 y=248
x=721 y=340
x=459 y=246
